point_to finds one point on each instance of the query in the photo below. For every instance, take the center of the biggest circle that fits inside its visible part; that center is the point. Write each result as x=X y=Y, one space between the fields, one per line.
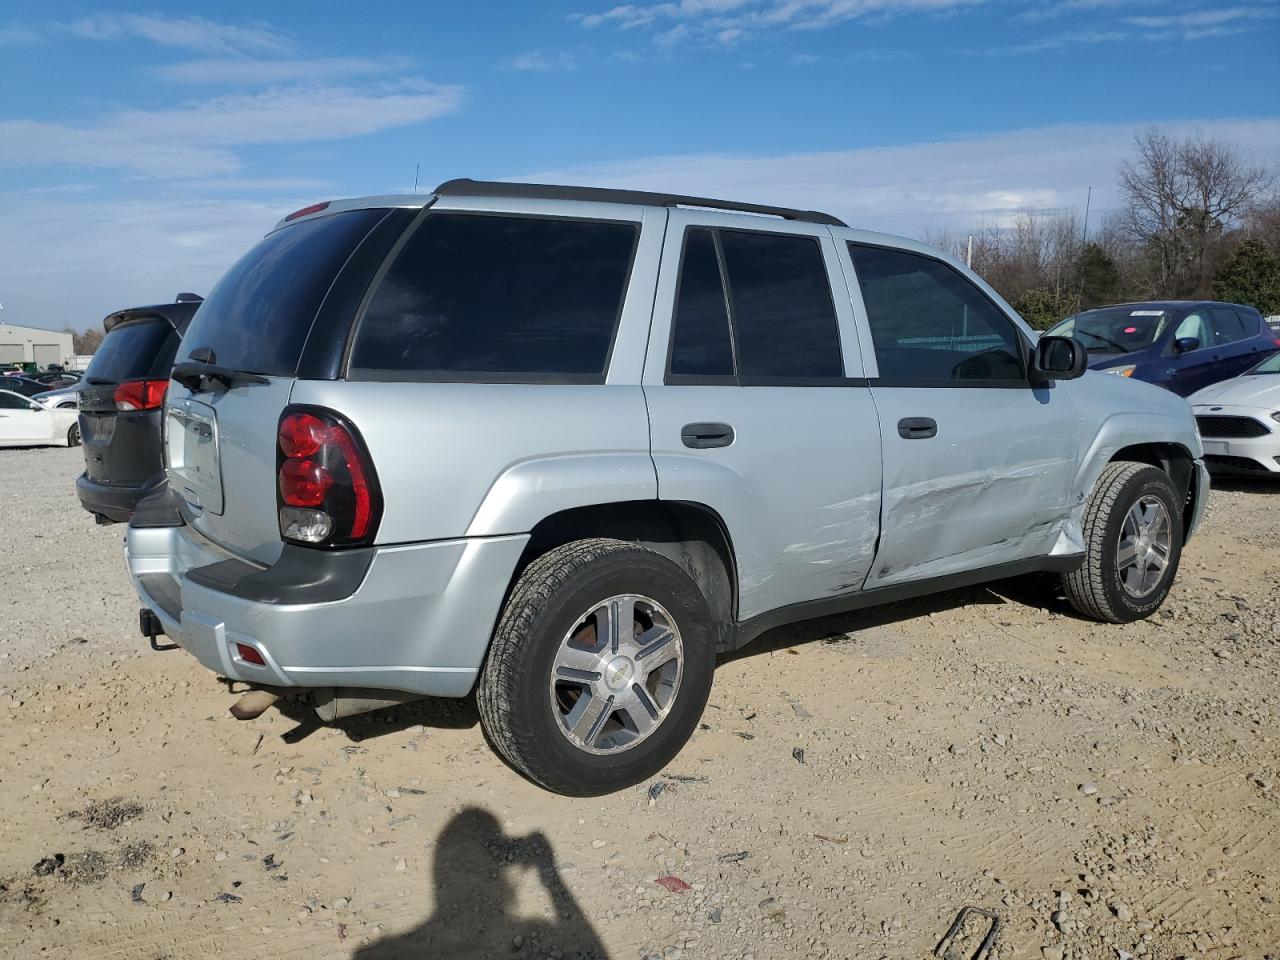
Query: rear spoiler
x=178 y=314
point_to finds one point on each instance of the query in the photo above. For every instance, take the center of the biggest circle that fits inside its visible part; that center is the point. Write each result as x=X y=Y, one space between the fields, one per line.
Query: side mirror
x=32 y=405
x=1059 y=358
x=1186 y=344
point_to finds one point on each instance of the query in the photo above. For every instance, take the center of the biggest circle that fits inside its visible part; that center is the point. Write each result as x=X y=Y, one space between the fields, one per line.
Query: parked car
x=63 y=398
x=25 y=423
x=1181 y=346
x=121 y=397
x=562 y=445
x=1240 y=421
x=23 y=385
x=55 y=379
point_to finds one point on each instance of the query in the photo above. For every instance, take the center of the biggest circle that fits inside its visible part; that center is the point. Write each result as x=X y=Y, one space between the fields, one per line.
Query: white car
x=1239 y=421
x=25 y=423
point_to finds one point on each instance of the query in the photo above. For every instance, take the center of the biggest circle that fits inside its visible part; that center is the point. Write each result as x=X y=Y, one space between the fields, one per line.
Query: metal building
x=33 y=345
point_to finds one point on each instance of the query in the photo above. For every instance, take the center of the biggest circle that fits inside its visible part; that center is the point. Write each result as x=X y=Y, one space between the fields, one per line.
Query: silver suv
x=562 y=446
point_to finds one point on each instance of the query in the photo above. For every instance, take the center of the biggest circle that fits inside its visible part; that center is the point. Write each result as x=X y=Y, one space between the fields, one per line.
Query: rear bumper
x=115 y=501
x=416 y=618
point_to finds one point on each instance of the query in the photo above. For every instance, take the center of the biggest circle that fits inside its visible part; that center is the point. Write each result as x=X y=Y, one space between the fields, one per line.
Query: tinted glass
x=700 y=342
x=929 y=324
x=1227 y=327
x=258 y=316
x=10 y=402
x=783 y=316
x=1250 y=323
x=487 y=297
x=1115 y=330
x=134 y=351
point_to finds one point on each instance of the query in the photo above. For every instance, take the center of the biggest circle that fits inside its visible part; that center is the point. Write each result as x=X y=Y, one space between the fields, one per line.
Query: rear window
x=134 y=351
x=498 y=298
x=258 y=316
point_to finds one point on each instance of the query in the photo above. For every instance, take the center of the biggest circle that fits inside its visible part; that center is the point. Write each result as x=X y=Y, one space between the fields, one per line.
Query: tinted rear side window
x=134 y=351
x=783 y=316
x=498 y=298
x=700 y=344
x=258 y=316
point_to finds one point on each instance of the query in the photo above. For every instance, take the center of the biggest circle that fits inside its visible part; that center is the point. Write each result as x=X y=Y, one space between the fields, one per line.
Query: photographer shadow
x=475 y=899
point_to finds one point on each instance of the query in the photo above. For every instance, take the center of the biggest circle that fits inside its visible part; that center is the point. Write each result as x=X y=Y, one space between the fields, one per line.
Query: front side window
x=1196 y=327
x=9 y=401
x=930 y=325
x=499 y=298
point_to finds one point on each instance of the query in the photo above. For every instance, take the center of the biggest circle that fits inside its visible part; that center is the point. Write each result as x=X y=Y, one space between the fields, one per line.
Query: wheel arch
x=691 y=535
x=1175 y=460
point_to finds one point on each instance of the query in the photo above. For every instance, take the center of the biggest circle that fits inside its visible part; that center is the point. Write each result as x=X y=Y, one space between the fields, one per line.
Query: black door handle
x=701 y=436
x=917 y=428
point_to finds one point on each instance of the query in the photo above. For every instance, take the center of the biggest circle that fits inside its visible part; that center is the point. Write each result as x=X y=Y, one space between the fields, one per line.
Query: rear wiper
x=197 y=375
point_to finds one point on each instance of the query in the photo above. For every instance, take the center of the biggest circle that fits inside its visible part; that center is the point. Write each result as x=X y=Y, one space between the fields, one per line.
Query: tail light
x=140 y=394
x=326 y=490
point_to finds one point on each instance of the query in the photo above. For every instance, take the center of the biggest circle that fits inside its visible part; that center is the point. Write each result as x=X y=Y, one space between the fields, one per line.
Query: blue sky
x=142 y=148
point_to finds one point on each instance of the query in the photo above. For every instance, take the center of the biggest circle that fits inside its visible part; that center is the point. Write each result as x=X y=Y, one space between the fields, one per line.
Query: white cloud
x=1199 y=19
x=249 y=71
x=912 y=188
x=727 y=21
x=72 y=263
x=538 y=62
x=190 y=33
x=196 y=140
x=18 y=36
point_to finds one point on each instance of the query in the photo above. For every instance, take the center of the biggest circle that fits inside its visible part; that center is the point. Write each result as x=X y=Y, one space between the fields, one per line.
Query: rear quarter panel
x=483 y=459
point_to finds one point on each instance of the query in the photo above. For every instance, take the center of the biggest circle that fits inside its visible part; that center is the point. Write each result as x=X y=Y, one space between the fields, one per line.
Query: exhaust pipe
x=253 y=704
x=338 y=703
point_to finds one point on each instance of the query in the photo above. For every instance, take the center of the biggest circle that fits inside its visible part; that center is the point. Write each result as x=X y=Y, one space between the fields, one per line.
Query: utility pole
x=416 y=167
x=968 y=257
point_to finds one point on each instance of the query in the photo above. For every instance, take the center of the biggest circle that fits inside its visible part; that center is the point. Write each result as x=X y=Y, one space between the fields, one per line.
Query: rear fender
x=528 y=491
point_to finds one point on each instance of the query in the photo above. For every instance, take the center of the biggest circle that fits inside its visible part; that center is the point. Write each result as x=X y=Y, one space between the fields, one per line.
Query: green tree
x=1250 y=276
x=1098 y=276
x=1042 y=307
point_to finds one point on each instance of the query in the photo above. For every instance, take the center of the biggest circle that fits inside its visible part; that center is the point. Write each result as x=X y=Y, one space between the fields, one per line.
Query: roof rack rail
x=465 y=187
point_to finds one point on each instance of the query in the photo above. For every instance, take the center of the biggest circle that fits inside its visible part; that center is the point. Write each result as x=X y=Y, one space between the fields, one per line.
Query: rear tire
x=578 y=707
x=1133 y=544
x=73 y=435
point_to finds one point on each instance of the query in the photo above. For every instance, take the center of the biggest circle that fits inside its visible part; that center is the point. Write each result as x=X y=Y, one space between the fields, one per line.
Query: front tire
x=599 y=669
x=1133 y=544
x=73 y=435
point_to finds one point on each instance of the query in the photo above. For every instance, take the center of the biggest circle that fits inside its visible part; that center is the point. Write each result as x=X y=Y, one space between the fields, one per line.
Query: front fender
x=530 y=490
x=1121 y=430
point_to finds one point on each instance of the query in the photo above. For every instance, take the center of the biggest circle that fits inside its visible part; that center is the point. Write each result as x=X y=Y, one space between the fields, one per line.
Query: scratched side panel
x=994 y=485
x=799 y=488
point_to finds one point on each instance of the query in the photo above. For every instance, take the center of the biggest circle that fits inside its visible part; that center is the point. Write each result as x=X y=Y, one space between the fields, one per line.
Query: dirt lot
x=1109 y=791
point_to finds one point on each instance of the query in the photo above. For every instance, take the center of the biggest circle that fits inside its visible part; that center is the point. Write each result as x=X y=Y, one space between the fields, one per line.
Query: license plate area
x=192 y=459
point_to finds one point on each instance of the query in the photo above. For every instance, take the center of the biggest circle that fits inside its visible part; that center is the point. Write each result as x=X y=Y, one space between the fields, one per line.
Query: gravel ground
x=1108 y=791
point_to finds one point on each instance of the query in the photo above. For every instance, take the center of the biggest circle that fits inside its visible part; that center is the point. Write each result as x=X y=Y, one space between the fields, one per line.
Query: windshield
x=1115 y=329
x=1269 y=365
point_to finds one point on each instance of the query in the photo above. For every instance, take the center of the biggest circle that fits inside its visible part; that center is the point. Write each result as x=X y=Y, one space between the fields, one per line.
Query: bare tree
x=1181 y=198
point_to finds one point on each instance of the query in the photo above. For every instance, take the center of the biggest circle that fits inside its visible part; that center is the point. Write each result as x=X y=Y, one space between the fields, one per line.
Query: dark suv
x=1182 y=346
x=120 y=407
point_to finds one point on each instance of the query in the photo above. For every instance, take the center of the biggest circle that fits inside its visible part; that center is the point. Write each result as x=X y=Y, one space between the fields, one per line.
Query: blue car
x=1182 y=346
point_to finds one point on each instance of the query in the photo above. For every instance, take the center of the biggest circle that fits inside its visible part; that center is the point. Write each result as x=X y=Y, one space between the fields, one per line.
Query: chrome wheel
x=1146 y=541
x=616 y=674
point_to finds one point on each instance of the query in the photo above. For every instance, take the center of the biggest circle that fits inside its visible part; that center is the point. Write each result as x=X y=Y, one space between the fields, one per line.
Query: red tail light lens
x=327 y=491
x=140 y=394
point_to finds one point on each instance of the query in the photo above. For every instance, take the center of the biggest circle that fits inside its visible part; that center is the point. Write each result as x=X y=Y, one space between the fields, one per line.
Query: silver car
x=561 y=446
